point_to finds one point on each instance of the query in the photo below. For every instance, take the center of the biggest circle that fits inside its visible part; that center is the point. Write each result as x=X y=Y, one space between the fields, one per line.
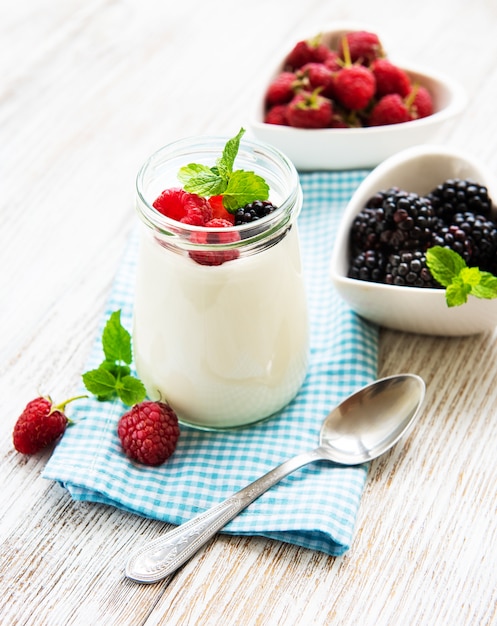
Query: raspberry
x=40 y=424
x=422 y=103
x=306 y=51
x=219 y=211
x=149 y=432
x=390 y=78
x=214 y=237
x=333 y=61
x=179 y=205
x=317 y=75
x=354 y=86
x=281 y=89
x=310 y=110
x=277 y=114
x=362 y=45
x=390 y=109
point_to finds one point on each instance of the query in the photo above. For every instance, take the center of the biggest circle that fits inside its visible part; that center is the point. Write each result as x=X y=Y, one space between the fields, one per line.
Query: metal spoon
x=361 y=428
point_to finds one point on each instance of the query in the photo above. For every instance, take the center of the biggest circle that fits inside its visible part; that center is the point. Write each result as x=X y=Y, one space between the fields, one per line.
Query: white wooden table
x=88 y=89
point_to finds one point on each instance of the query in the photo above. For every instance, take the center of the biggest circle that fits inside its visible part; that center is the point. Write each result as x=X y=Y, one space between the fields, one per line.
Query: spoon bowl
x=363 y=426
x=372 y=420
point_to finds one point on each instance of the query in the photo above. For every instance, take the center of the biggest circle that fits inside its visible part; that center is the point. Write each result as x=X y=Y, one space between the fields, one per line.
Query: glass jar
x=220 y=326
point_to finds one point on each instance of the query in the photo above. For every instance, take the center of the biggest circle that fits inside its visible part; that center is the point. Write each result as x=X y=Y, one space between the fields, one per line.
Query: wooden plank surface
x=88 y=90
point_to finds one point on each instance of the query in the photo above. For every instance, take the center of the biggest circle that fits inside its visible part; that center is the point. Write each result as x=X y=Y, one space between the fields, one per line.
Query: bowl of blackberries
x=416 y=249
x=338 y=100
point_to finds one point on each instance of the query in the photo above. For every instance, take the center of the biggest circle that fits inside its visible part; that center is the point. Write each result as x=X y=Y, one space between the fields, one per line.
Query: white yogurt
x=225 y=345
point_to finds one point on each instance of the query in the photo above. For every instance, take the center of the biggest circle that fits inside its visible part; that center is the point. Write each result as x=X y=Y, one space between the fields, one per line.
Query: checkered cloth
x=316 y=506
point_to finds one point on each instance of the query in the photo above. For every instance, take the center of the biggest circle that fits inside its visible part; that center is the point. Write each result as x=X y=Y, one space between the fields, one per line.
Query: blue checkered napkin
x=314 y=507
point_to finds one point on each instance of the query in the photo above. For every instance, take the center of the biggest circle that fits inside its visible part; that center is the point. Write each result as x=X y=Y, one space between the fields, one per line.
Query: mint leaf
x=113 y=376
x=116 y=340
x=460 y=281
x=130 y=390
x=238 y=187
x=444 y=264
x=226 y=163
x=457 y=293
x=487 y=287
x=244 y=187
x=202 y=180
x=100 y=382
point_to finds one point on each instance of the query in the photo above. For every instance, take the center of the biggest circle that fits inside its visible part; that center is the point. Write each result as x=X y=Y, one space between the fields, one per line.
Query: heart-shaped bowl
x=351 y=148
x=412 y=309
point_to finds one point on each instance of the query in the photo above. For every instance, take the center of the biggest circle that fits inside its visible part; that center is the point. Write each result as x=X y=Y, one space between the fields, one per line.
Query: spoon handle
x=162 y=556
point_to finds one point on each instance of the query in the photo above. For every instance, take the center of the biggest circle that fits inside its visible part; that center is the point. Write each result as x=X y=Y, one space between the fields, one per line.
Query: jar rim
x=287 y=210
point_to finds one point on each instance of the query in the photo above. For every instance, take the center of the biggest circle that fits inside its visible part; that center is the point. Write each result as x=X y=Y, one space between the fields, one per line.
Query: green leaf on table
x=113 y=376
x=100 y=382
x=116 y=340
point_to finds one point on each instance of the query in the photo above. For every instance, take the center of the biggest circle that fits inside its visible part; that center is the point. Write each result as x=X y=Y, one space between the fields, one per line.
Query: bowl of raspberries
x=416 y=249
x=338 y=101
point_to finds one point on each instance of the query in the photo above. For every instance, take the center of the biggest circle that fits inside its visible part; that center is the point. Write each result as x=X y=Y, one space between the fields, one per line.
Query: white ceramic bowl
x=350 y=148
x=412 y=309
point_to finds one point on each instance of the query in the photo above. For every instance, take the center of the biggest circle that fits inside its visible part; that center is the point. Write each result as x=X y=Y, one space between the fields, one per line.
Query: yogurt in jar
x=226 y=345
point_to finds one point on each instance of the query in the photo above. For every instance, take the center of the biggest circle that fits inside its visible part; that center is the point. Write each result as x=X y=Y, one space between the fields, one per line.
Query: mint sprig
x=460 y=281
x=238 y=187
x=113 y=376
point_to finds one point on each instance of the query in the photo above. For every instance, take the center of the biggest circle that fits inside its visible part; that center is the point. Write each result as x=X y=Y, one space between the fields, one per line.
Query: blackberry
x=366 y=229
x=412 y=220
x=368 y=265
x=482 y=234
x=376 y=201
x=457 y=195
x=372 y=221
x=408 y=268
x=253 y=211
x=454 y=238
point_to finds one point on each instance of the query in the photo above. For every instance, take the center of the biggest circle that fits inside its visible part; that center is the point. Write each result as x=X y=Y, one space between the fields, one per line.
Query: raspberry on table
x=40 y=424
x=149 y=432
